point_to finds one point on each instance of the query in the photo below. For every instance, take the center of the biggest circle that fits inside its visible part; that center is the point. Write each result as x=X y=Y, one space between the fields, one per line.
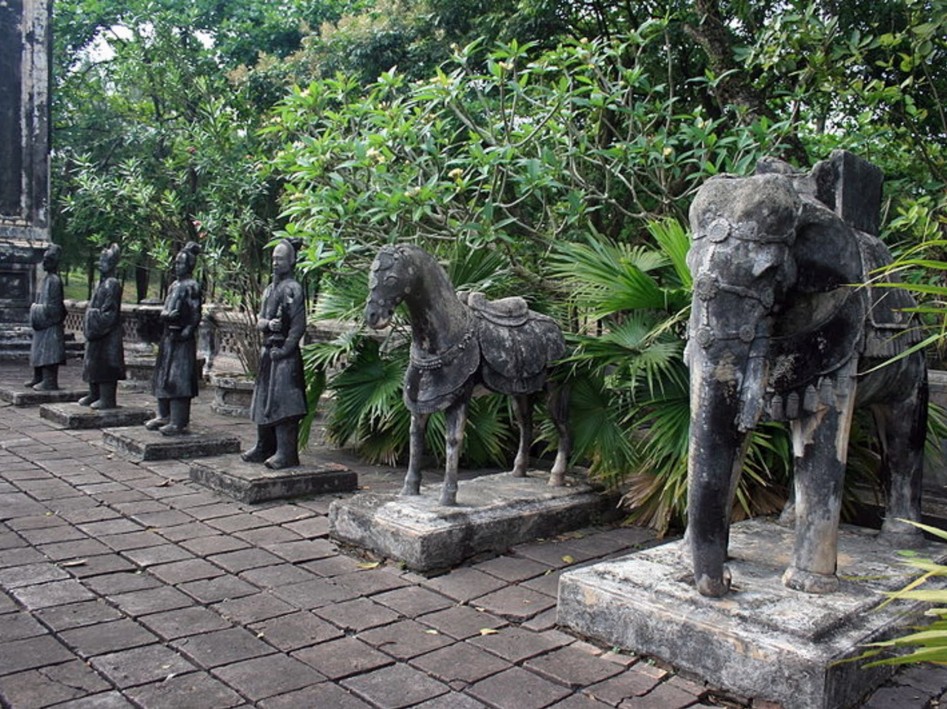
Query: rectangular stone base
x=494 y=513
x=27 y=397
x=254 y=482
x=762 y=640
x=74 y=416
x=138 y=443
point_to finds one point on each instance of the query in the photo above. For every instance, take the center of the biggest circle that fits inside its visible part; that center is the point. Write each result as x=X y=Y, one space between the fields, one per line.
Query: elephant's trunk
x=717 y=447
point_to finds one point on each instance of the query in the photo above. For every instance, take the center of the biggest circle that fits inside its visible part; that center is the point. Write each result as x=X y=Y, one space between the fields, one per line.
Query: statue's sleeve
x=196 y=303
x=105 y=318
x=295 y=306
x=51 y=311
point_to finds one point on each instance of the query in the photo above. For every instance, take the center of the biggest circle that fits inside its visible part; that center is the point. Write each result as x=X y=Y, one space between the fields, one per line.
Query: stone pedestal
x=254 y=482
x=22 y=396
x=233 y=394
x=75 y=416
x=495 y=513
x=138 y=443
x=762 y=640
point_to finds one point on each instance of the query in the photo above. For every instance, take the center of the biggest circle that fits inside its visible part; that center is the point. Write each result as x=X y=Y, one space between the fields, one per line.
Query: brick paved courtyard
x=125 y=585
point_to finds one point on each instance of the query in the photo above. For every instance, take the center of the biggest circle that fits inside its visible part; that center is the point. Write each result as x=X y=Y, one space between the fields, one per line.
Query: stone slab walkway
x=124 y=584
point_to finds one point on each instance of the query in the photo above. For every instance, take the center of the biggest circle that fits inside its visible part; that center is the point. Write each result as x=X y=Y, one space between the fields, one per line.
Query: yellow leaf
x=369 y=565
x=432 y=632
x=569 y=559
x=488 y=631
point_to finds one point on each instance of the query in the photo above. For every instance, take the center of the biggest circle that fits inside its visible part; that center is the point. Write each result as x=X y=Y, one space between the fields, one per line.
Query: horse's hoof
x=411 y=489
x=714 y=588
x=557 y=480
x=449 y=498
x=517 y=473
x=900 y=535
x=809 y=582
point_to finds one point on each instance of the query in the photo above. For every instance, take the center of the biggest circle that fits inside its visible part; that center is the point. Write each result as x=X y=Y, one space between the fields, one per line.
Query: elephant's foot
x=448 y=496
x=898 y=534
x=808 y=581
x=715 y=588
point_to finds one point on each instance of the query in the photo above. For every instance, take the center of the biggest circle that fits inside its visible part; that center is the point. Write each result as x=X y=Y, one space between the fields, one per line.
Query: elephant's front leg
x=456 y=419
x=822 y=440
x=524 y=420
x=715 y=459
x=412 y=480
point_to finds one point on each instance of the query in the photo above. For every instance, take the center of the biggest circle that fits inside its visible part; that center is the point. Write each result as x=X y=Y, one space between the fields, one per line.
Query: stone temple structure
x=24 y=157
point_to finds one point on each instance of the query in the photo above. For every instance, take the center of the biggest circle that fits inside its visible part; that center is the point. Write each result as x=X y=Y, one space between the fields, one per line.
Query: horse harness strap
x=444 y=358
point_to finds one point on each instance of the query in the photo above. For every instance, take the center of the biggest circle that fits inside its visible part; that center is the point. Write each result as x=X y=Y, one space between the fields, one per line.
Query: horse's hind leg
x=559 y=413
x=456 y=419
x=412 y=480
x=523 y=411
x=902 y=428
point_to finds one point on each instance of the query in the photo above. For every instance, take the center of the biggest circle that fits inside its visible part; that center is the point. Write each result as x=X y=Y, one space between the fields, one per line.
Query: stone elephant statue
x=778 y=331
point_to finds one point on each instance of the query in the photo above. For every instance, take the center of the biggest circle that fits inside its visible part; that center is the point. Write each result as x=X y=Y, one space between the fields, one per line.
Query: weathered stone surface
x=763 y=640
x=142 y=444
x=496 y=512
x=250 y=482
x=71 y=415
x=28 y=397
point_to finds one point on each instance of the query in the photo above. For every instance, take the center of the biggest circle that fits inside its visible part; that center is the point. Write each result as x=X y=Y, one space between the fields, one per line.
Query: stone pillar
x=24 y=152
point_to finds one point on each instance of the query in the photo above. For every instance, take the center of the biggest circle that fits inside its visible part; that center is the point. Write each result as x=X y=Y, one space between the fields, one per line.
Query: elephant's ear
x=826 y=251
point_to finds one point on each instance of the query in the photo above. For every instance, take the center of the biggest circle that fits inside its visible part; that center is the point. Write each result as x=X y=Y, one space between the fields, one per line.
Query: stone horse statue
x=462 y=344
x=778 y=332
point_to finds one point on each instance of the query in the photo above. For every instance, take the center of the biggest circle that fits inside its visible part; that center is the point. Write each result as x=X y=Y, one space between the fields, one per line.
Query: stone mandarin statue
x=104 y=362
x=176 y=376
x=47 y=315
x=279 y=397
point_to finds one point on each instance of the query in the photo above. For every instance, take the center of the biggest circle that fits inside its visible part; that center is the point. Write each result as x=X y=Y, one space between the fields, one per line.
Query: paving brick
x=103 y=638
x=412 y=601
x=141 y=665
x=253 y=608
x=395 y=687
x=208 y=511
x=30 y=575
x=132 y=540
x=572 y=667
x=218 y=589
x=213 y=544
x=929 y=678
x=268 y=536
x=516 y=688
x=296 y=630
x=122 y=582
x=312 y=594
x=515 y=603
x=19 y=625
x=50 y=685
x=196 y=689
x=238 y=522
x=460 y=663
x=357 y=615
x=184 y=532
x=517 y=644
x=368 y=582
x=54 y=593
x=546 y=620
x=579 y=701
x=75 y=615
x=161 y=554
x=163 y=518
x=342 y=658
x=75 y=549
x=119 y=525
x=178 y=572
x=30 y=653
x=19 y=556
x=461 y=621
x=151 y=600
x=222 y=647
x=182 y=622
x=452 y=700
x=268 y=676
x=281 y=574
x=88 y=567
x=304 y=550
x=244 y=559
x=547 y=584
x=283 y=513
x=464 y=584
x=556 y=554
x=84 y=515
x=405 y=639
x=310 y=528
x=664 y=696
x=324 y=694
x=512 y=569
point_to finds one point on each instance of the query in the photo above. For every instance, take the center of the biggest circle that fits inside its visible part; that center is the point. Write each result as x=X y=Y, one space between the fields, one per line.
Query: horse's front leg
x=523 y=411
x=456 y=418
x=559 y=413
x=412 y=480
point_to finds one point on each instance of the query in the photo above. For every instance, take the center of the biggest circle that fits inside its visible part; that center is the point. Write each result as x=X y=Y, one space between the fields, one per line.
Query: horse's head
x=389 y=281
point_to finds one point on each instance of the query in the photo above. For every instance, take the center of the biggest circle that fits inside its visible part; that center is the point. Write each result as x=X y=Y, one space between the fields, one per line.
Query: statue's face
x=282 y=260
x=106 y=262
x=182 y=265
x=50 y=261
